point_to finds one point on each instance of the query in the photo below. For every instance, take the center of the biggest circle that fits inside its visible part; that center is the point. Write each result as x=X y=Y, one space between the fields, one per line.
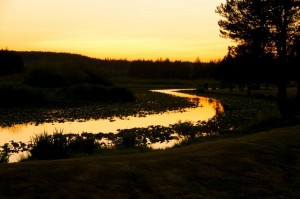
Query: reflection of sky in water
x=206 y=109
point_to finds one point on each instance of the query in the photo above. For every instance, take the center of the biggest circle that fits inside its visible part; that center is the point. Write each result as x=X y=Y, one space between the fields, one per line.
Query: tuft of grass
x=59 y=146
x=46 y=146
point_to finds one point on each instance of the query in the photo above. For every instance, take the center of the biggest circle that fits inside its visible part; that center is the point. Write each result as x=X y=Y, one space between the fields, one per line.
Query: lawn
x=260 y=165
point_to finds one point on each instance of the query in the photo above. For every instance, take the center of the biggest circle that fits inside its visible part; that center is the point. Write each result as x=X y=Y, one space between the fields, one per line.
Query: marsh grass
x=58 y=145
x=47 y=146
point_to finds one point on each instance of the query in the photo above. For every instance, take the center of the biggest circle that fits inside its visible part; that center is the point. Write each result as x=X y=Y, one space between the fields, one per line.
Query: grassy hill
x=261 y=165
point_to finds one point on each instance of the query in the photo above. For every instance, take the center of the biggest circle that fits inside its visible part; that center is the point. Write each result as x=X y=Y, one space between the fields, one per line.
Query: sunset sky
x=118 y=29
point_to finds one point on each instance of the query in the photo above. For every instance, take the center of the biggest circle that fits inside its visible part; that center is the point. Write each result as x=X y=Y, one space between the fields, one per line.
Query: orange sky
x=132 y=29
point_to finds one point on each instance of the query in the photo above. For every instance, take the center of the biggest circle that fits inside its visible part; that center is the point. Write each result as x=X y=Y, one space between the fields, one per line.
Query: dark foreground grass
x=261 y=165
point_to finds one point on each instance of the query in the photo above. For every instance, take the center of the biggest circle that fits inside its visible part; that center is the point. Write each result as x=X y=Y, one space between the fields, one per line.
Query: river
x=205 y=109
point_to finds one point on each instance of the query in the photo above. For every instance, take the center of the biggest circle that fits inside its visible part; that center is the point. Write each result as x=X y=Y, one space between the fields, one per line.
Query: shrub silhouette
x=10 y=63
x=89 y=92
x=20 y=96
x=58 y=77
x=45 y=78
x=122 y=95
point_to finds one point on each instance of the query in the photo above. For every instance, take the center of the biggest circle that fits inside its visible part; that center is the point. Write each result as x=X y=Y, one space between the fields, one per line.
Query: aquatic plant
x=11 y=148
x=82 y=144
x=186 y=129
x=130 y=138
x=4 y=153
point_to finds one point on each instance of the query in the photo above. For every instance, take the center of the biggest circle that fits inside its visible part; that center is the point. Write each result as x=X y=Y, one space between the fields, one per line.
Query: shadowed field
x=261 y=165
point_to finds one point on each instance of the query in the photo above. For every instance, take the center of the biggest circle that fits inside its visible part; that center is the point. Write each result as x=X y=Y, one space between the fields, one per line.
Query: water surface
x=205 y=109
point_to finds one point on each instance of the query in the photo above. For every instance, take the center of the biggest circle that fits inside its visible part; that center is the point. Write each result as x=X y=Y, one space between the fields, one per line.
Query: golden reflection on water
x=15 y=128
x=205 y=109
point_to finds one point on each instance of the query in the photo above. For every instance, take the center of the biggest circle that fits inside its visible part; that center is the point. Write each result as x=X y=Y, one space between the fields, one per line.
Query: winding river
x=205 y=109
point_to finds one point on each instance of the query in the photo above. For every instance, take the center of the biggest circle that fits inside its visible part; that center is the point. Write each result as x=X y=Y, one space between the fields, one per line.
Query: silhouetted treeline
x=239 y=68
x=242 y=69
x=139 y=69
x=245 y=70
x=10 y=63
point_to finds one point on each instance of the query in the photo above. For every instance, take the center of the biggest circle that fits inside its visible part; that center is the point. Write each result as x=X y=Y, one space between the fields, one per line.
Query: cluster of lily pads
x=146 y=103
x=11 y=148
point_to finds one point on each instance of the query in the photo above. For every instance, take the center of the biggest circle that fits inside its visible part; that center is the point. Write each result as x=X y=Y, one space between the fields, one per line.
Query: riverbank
x=260 y=165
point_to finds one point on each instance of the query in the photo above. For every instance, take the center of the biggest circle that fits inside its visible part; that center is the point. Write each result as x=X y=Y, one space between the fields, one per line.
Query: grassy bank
x=262 y=165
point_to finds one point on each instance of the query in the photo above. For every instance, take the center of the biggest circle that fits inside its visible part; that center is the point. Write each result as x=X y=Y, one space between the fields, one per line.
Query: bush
x=20 y=96
x=89 y=92
x=45 y=78
x=55 y=77
x=96 y=77
x=122 y=95
x=10 y=63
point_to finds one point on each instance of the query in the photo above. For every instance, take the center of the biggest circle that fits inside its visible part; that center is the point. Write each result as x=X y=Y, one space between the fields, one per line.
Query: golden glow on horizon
x=132 y=29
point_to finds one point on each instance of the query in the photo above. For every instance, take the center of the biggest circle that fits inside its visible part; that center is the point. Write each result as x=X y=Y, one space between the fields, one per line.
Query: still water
x=204 y=110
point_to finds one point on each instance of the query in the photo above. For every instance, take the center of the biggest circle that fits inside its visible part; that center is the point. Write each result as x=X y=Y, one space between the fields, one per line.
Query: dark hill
x=139 y=69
